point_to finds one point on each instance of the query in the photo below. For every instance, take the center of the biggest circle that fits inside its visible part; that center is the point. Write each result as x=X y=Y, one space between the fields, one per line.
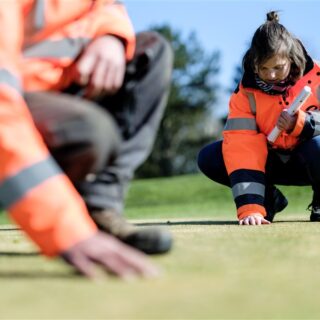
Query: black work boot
x=274 y=202
x=148 y=240
x=314 y=207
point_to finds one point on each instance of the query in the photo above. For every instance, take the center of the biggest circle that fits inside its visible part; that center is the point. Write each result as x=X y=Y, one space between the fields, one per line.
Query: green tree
x=187 y=123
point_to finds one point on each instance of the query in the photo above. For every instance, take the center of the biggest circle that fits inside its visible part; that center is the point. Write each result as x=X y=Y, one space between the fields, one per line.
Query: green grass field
x=216 y=269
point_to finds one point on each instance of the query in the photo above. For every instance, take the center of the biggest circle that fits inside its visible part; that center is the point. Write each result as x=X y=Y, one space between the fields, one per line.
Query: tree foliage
x=186 y=125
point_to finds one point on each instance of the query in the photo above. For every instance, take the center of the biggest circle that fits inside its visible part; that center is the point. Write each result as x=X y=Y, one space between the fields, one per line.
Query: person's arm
x=245 y=152
x=34 y=191
x=306 y=124
x=110 y=17
x=37 y=195
x=102 y=65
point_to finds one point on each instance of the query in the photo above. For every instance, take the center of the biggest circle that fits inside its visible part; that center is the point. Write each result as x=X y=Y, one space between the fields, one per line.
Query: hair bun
x=273 y=16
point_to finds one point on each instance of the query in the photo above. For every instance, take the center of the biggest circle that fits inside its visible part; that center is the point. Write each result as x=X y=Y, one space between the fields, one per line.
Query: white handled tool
x=294 y=107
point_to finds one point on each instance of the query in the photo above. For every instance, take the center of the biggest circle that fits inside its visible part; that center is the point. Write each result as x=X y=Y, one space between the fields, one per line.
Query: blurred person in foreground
x=80 y=90
x=276 y=68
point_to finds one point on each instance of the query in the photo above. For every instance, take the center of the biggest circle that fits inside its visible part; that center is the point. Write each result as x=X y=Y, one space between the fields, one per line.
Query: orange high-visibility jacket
x=252 y=116
x=39 y=40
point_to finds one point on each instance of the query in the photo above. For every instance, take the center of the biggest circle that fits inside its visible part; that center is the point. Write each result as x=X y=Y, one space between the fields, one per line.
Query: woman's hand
x=254 y=219
x=286 y=122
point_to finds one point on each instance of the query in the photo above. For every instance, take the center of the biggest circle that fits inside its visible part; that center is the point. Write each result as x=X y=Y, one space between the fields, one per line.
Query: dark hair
x=273 y=38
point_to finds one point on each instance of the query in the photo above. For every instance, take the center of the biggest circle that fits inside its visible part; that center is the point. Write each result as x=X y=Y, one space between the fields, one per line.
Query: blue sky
x=229 y=25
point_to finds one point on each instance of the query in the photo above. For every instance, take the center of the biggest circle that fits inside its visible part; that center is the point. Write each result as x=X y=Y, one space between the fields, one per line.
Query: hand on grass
x=254 y=219
x=114 y=256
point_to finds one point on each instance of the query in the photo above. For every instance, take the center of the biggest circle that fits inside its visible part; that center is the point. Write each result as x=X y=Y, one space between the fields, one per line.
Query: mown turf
x=216 y=269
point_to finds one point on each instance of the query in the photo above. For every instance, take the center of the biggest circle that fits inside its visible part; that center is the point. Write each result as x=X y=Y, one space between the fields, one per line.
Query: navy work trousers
x=299 y=168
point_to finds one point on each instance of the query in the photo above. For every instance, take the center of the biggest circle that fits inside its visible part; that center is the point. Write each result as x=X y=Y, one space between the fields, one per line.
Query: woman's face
x=274 y=69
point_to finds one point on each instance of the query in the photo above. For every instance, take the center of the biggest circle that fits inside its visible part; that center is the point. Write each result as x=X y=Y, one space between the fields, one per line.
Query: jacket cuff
x=299 y=124
x=249 y=209
x=54 y=221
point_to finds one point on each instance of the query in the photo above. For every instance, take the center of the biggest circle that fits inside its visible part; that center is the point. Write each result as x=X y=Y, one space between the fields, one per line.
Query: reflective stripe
x=316 y=130
x=38 y=14
x=316 y=117
x=10 y=79
x=242 y=188
x=318 y=93
x=14 y=188
x=65 y=48
x=252 y=102
x=241 y=124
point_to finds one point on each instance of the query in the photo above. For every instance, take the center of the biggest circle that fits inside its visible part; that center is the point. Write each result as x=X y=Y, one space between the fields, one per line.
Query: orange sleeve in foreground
x=54 y=216
x=248 y=209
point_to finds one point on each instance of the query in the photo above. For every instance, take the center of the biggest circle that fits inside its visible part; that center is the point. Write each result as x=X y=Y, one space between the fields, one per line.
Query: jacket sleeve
x=307 y=125
x=110 y=17
x=245 y=152
x=37 y=195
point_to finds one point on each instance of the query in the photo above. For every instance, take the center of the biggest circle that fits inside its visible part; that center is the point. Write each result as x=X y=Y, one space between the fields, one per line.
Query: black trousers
x=300 y=169
x=99 y=144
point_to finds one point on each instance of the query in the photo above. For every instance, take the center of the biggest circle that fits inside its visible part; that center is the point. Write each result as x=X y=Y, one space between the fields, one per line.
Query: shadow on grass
x=193 y=222
x=9 y=229
x=19 y=254
x=291 y=221
x=37 y=274
x=207 y=222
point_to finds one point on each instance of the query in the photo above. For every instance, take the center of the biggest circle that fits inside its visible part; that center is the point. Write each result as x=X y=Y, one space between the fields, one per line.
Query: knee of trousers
x=88 y=141
x=212 y=165
x=310 y=152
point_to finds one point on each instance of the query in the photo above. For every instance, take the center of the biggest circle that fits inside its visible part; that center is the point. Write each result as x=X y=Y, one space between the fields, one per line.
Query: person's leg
x=299 y=169
x=309 y=155
x=211 y=163
x=83 y=138
x=79 y=134
x=138 y=110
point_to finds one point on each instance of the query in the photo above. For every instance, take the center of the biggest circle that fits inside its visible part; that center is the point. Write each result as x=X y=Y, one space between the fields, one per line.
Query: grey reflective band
x=64 y=48
x=9 y=79
x=14 y=188
x=242 y=188
x=316 y=117
x=252 y=102
x=38 y=14
x=318 y=93
x=317 y=129
x=241 y=124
